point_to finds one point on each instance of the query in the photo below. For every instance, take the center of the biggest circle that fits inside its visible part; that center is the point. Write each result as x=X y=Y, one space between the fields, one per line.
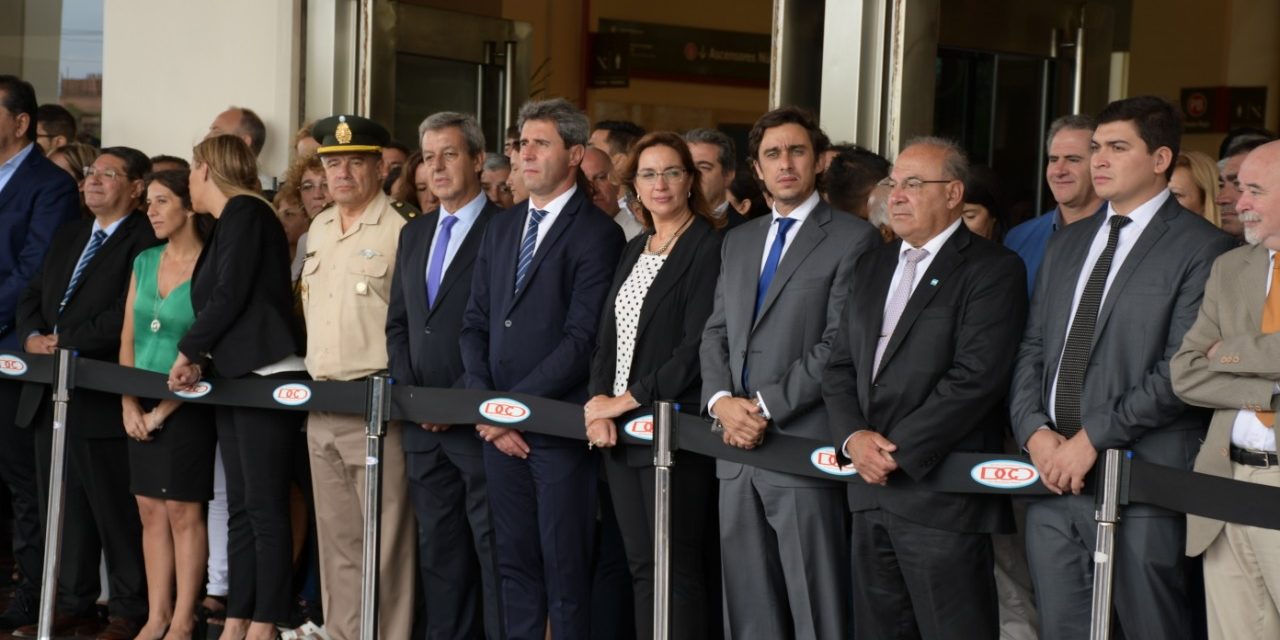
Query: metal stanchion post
x=663 y=418
x=57 y=494
x=377 y=405
x=1107 y=515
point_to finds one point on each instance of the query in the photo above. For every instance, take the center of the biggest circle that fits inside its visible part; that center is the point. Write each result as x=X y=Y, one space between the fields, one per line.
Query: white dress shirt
x=553 y=209
x=1248 y=432
x=1140 y=218
x=466 y=216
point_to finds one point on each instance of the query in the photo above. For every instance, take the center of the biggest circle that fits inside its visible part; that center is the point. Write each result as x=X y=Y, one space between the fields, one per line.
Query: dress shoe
x=64 y=625
x=21 y=612
x=119 y=628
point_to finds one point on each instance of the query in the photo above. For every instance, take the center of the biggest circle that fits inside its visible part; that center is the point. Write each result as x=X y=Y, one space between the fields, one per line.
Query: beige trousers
x=336 y=444
x=1242 y=573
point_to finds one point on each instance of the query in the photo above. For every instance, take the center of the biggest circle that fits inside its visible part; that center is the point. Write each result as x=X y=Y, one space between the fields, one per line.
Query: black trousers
x=18 y=471
x=100 y=516
x=913 y=581
x=258 y=451
x=693 y=511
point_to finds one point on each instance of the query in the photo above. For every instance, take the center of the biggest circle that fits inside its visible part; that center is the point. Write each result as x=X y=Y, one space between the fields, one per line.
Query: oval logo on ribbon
x=12 y=365
x=1004 y=474
x=824 y=458
x=504 y=410
x=640 y=427
x=292 y=394
x=200 y=390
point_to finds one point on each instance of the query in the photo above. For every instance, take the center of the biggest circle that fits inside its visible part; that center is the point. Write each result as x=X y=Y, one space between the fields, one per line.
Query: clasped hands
x=139 y=424
x=184 y=374
x=505 y=439
x=872 y=456
x=1063 y=462
x=598 y=415
x=42 y=344
x=743 y=421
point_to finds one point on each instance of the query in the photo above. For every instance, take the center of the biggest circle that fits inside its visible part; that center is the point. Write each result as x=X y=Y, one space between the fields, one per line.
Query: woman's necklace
x=667 y=245
x=159 y=303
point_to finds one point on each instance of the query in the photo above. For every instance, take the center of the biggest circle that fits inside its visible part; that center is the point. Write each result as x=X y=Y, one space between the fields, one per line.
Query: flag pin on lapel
x=933 y=282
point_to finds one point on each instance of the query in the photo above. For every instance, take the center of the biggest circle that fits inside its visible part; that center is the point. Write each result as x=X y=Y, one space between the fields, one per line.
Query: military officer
x=346 y=284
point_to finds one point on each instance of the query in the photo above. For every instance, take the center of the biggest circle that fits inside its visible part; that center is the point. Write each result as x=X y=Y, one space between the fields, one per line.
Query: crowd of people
x=891 y=308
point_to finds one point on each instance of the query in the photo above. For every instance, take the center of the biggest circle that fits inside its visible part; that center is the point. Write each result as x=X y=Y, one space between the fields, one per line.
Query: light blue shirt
x=466 y=216
x=11 y=165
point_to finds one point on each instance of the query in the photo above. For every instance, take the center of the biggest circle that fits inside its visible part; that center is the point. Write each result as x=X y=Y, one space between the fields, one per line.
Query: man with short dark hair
x=36 y=198
x=919 y=370
x=1229 y=184
x=615 y=137
x=493 y=180
x=715 y=157
x=55 y=127
x=541 y=276
x=1114 y=296
x=345 y=283
x=169 y=163
x=783 y=282
x=1067 y=172
x=430 y=289
x=394 y=156
x=77 y=302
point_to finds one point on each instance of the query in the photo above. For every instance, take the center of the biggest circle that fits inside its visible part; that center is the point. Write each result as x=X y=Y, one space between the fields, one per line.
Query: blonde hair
x=1204 y=173
x=232 y=166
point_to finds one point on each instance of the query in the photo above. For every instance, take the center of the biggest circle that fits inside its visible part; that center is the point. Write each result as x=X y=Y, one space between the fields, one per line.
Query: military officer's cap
x=349 y=134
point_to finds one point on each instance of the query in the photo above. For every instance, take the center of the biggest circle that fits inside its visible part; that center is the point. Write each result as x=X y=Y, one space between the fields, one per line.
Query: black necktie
x=1075 y=356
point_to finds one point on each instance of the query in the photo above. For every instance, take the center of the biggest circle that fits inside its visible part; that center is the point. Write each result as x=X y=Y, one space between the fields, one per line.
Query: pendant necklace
x=155 y=308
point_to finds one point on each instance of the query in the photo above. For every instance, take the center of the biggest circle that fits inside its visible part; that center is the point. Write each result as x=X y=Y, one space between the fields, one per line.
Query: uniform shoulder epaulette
x=406 y=210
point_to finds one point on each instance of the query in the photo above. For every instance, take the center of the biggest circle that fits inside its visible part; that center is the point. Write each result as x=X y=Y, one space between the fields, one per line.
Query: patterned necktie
x=91 y=250
x=527 y=246
x=771 y=263
x=898 y=303
x=1075 y=355
x=1271 y=324
x=436 y=270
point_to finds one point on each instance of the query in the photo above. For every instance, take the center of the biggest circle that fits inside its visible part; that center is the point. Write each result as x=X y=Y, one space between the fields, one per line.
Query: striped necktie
x=95 y=243
x=527 y=246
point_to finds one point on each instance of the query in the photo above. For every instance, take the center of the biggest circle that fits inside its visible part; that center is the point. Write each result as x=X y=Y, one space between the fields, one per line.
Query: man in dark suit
x=540 y=280
x=783 y=280
x=429 y=292
x=1115 y=295
x=36 y=197
x=76 y=301
x=919 y=369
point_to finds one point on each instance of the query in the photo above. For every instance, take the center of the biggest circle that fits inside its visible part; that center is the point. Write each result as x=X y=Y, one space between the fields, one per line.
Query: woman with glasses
x=171 y=443
x=647 y=350
x=245 y=328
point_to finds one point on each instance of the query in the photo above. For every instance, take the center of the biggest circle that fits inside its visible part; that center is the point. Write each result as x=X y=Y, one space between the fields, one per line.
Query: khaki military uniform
x=345 y=289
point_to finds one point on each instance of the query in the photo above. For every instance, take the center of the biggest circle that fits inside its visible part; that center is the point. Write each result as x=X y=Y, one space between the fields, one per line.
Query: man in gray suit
x=783 y=281
x=1229 y=363
x=1114 y=296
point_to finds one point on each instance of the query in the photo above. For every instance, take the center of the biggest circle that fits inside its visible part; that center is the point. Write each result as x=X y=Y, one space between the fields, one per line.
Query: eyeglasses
x=674 y=174
x=910 y=184
x=107 y=174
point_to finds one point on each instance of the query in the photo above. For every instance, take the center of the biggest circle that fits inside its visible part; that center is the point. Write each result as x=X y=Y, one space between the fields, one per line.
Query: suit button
x=1235 y=359
x=1224 y=360
x=507 y=323
x=427 y=331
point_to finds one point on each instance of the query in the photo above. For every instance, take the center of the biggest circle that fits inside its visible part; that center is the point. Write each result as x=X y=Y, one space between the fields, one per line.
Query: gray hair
x=571 y=123
x=1073 y=122
x=955 y=162
x=465 y=122
x=728 y=161
x=496 y=162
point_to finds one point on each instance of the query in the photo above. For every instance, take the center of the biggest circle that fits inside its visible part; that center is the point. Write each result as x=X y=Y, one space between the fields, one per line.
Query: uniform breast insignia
x=368 y=254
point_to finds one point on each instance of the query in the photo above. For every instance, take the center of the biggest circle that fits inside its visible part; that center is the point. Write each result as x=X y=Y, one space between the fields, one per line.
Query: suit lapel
x=1062 y=290
x=671 y=273
x=18 y=178
x=1149 y=238
x=466 y=254
x=878 y=294
x=112 y=244
x=417 y=263
x=570 y=210
x=746 y=273
x=807 y=238
x=945 y=264
x=1251 y=281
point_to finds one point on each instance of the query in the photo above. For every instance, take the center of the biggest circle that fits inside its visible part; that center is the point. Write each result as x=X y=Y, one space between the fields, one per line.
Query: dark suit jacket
x=665 y=363
x=1128 y=400
x=242 y=293
x=39 y=198
x=92 y=319
x=942 y=379
x=540 y=340
x=422 y=343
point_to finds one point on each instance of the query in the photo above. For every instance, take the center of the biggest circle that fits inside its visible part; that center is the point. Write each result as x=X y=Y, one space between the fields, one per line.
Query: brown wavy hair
x=292 y=181
x=697 y=202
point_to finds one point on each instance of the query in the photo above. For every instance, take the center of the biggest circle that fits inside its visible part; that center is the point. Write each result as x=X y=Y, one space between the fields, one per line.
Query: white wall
x=170 y=67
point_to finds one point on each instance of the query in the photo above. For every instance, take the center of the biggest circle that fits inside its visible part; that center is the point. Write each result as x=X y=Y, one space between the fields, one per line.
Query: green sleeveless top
x=158 y=323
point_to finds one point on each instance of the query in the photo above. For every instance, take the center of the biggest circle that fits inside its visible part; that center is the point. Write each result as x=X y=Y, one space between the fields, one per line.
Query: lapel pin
x=933 y=282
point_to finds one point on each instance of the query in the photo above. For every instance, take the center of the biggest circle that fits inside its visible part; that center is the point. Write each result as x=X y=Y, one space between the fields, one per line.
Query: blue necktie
x=771 y=263
x=527 y=246
x=91 y=250
x=436 y=271
x=766 y=275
